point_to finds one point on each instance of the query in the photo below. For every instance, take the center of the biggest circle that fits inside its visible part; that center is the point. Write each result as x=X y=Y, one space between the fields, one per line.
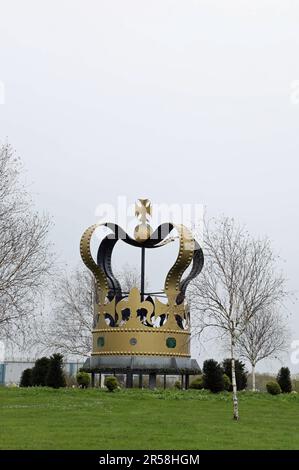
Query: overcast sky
x=179 y=101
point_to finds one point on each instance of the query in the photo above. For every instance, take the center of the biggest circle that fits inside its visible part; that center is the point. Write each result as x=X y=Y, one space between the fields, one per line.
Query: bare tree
x=239 y=281
x=69 y=331
x=74 y=297
x=25 y=258
x=129 y=277
x=264 y=336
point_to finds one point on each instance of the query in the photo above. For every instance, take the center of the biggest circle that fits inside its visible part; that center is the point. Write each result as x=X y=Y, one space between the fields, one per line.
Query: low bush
x=111 y=383
x=177 y=384
x=83 y=379
x=273 y=388
x=197 y=383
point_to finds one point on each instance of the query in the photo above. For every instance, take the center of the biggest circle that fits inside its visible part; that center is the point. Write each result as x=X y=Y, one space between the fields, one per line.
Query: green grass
x=40 y=418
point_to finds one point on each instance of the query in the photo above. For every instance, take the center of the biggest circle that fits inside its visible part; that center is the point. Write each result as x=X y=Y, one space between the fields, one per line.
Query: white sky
x=178 y=101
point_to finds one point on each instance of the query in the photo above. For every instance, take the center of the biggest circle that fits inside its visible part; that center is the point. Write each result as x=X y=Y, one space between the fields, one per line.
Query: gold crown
x=138 y=323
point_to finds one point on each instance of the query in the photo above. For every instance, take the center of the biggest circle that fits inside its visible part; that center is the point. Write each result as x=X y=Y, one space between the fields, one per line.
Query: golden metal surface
x=152 y=312
x=132 y=353
x=184 y=258
x=100 y=276
x=143 y=211
x=119 y=341
x=140 y=330
x=134 y=303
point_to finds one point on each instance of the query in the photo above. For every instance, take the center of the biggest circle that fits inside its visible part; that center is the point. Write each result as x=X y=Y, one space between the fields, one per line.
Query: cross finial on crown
x=143 y=212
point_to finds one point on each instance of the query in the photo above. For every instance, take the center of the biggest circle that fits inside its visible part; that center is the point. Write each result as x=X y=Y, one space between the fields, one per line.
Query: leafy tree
x=284 y=380
x=40 y=371
x=213 y=376
x=241 y=373
x=55 y=377
x=26 y=378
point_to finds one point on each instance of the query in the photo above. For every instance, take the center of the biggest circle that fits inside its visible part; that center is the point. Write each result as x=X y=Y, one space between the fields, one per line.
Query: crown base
x=137 y=364
x=138 y=342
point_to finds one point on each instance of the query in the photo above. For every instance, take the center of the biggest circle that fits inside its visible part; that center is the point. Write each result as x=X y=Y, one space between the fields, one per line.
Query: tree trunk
x=253 y=377
x=234 y=382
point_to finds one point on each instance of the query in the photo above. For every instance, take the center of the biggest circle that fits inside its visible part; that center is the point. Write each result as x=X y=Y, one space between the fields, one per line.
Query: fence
x=11 y=371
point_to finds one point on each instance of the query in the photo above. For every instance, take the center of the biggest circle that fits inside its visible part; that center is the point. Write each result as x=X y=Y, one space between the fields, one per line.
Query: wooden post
x=186 y=381
x=129 y=380
x=152 y=380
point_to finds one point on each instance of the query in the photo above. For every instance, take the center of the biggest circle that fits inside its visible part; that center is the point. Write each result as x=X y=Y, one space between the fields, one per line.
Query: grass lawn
x=41 y=418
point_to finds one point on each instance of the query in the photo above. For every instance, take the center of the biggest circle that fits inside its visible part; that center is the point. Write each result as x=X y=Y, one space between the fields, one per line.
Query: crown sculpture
x=137 y=323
